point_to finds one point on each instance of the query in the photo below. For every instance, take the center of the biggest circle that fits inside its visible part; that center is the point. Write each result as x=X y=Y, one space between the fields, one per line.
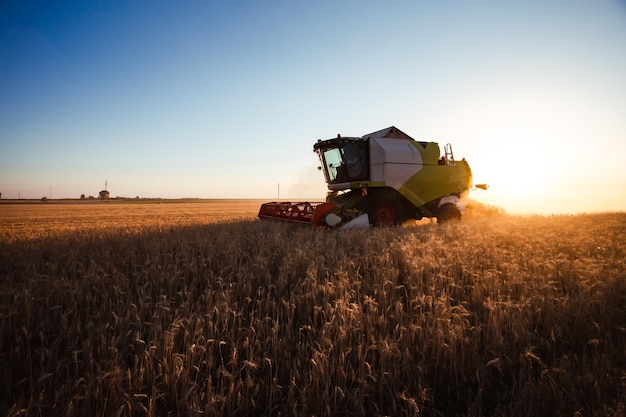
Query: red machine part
x=305 y=212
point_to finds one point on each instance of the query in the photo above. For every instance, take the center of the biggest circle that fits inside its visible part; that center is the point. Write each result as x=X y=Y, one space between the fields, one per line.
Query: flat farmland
x=21 y=220
x=198 y=308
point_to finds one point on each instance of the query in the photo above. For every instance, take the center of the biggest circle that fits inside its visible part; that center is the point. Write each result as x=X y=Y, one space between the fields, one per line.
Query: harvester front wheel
x=448 y=212
x=386 y=213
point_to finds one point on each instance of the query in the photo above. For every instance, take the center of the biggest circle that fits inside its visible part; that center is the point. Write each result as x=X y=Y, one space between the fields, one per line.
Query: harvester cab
x=381 y=179
x=344 y=160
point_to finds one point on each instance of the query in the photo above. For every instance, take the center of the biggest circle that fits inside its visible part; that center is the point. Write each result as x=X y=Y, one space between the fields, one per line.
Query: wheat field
x=199 y=309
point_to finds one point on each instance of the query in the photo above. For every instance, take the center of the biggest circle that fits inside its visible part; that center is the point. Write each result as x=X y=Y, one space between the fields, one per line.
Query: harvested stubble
x=506 y=315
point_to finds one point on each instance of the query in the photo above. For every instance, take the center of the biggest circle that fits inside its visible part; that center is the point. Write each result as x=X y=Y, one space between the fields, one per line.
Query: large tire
x=448 y=212
x=386 y=212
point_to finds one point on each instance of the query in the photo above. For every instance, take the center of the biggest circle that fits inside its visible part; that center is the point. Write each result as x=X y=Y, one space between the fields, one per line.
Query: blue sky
x=225 y=99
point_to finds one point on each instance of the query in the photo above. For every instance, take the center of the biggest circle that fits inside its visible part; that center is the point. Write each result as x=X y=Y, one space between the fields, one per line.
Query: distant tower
x=104 y=194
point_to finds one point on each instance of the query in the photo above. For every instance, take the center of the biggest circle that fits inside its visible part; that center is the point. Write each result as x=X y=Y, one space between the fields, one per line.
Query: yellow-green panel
x=435 y=181
x=430 y=154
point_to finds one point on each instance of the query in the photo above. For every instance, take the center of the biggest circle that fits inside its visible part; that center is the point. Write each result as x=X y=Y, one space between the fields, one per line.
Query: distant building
x=104 y=194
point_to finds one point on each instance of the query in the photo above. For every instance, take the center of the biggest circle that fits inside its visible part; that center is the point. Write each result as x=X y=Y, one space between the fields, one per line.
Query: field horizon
x=201 y=309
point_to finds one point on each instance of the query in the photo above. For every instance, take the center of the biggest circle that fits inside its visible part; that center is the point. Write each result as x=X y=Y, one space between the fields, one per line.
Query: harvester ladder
x=447 y=150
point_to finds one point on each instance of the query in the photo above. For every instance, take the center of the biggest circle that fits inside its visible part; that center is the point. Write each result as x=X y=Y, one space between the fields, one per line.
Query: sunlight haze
x=226 y=99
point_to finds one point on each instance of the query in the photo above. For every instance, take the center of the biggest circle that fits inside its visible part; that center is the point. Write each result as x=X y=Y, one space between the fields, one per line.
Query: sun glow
x=524 y=144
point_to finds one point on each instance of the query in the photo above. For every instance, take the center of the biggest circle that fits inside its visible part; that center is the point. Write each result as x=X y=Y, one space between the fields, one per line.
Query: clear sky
x=224 y=99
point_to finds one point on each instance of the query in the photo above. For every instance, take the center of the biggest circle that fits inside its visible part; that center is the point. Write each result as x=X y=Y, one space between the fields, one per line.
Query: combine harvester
x=381 y=179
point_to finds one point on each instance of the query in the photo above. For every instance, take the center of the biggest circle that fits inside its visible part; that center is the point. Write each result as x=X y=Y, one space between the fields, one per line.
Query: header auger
x=381 y=179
